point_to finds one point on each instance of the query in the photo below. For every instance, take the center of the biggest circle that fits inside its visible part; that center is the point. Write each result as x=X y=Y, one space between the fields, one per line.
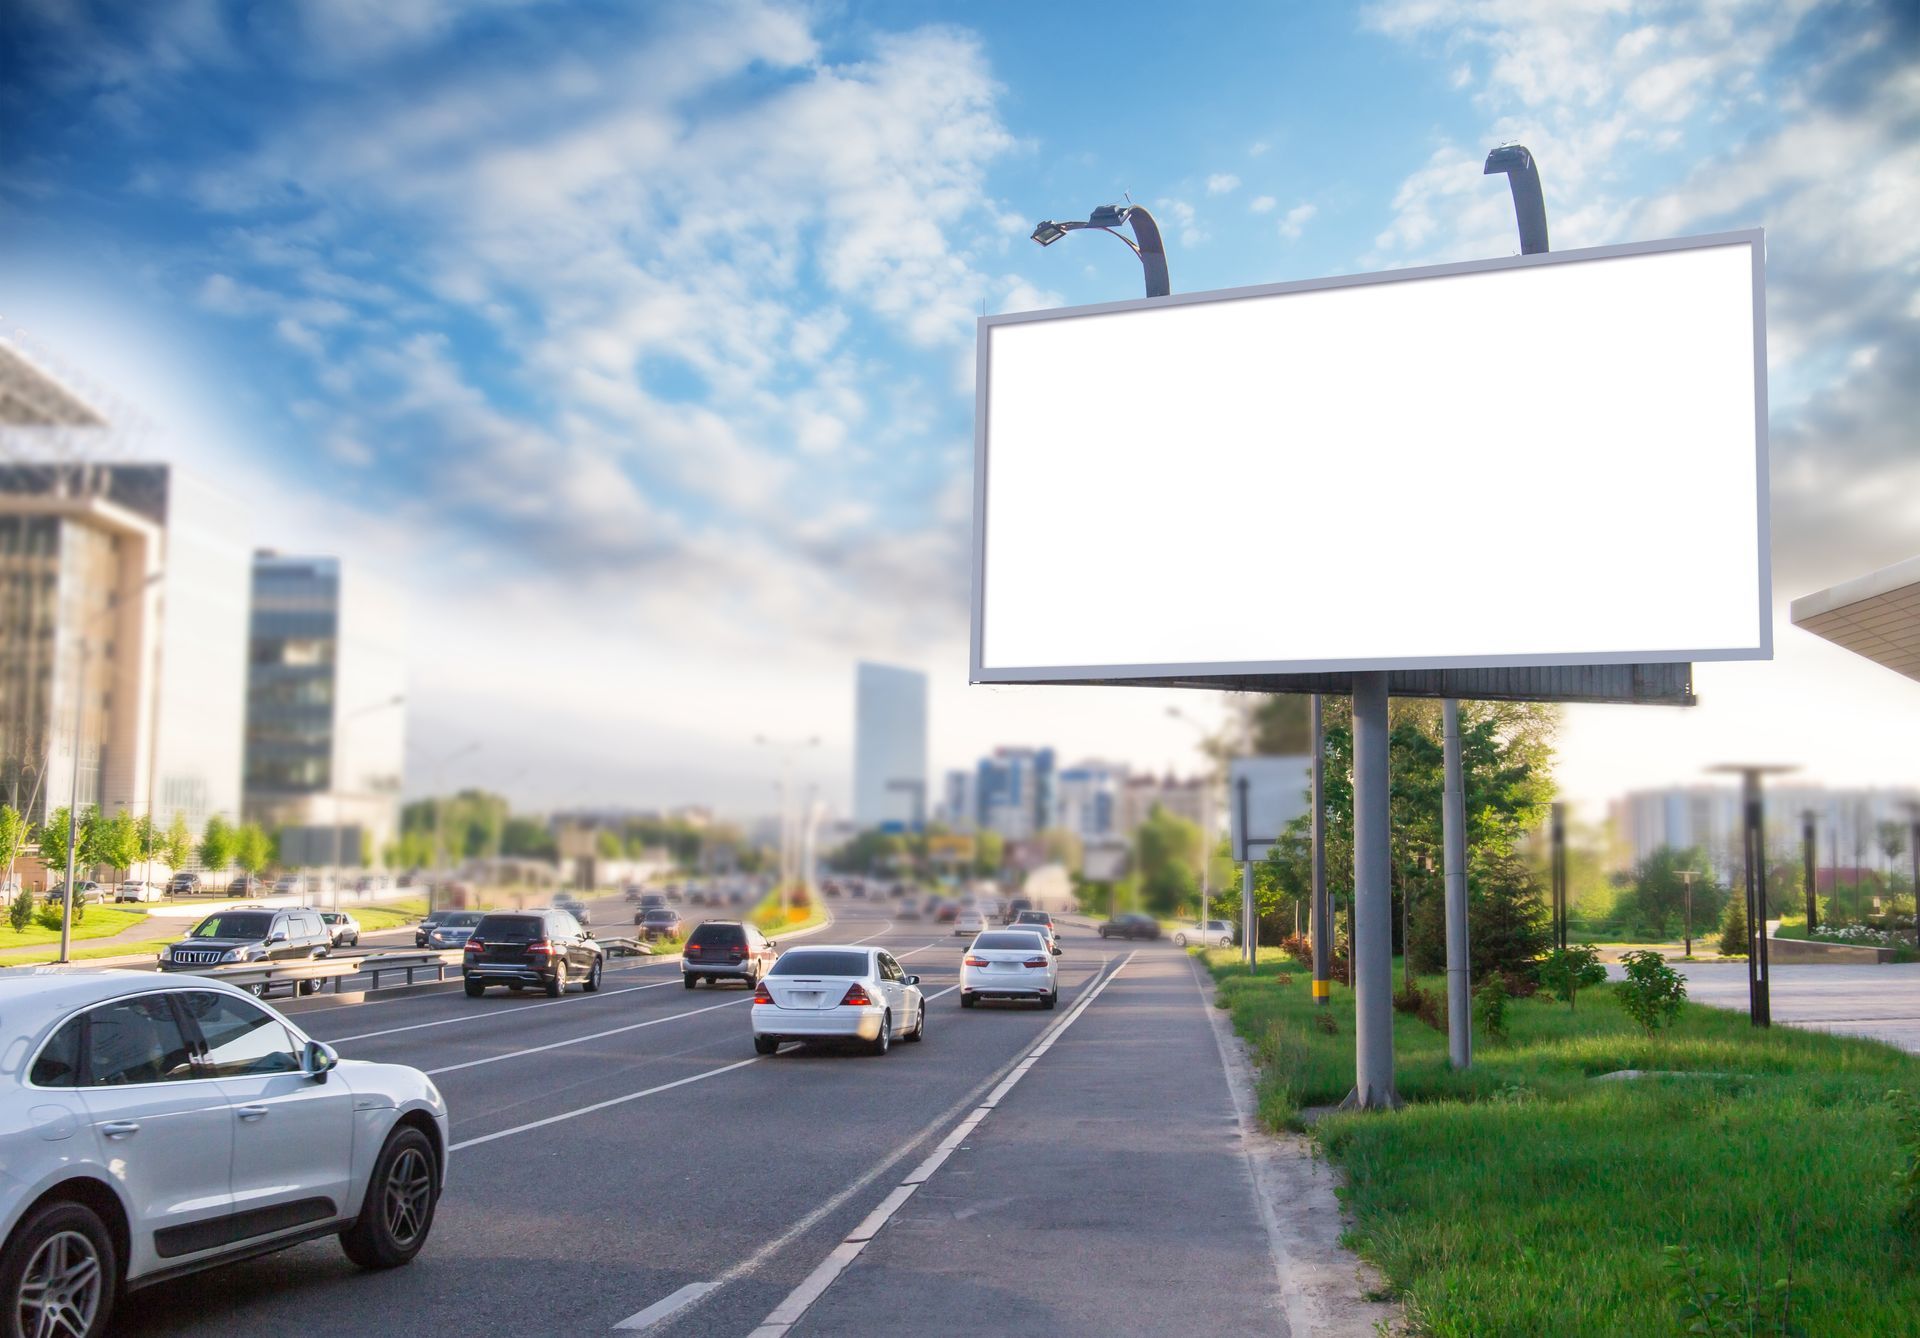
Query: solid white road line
x=789 y=1311
x=603 y=1105
x=665 y=1306
x=590 y=1036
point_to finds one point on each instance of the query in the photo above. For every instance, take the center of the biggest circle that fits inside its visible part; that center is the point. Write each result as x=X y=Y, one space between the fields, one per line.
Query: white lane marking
x=805 y=1224
x=815 y=1284
x=603 y=1105
x=665 y=1306
x=528 y=1008
x=590 y=1036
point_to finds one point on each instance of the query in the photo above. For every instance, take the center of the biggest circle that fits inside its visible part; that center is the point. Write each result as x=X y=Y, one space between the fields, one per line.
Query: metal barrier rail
x=262 y=976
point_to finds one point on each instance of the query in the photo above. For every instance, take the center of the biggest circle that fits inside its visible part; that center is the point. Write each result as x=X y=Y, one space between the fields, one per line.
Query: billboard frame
x=1329 y=675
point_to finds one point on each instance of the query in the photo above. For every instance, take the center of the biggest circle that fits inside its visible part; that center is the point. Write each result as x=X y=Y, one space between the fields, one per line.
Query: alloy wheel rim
x=409 y=1193
x=60 y=1289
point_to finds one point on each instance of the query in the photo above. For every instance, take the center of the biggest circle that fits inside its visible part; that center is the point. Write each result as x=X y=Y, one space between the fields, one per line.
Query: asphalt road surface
x=624 y=1162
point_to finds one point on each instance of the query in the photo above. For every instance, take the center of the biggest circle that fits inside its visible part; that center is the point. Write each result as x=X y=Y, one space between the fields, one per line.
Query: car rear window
x=510 y=928
x=461 y=920
x=662 y=915
x=235 y=924
x=819 y=962
x=719 y=936
x=1034 y=918
x=1008 y=942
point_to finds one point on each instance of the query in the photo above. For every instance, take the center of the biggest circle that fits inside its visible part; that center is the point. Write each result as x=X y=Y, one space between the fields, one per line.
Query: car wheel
x=306 y=987
x=1050 y=1000
x=919 y=1032
x=765 y=1045
x=592 y=983
x=885 y=1038
x=558 y=985
x=59 y=1274
x=475 y=989
x=968 y=1001
x=1179 y=940
x=397 y=1213
x=258 y=989
x=690 y=981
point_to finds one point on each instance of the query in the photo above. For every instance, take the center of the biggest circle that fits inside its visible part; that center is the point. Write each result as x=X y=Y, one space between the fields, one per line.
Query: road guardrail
x=309 y=975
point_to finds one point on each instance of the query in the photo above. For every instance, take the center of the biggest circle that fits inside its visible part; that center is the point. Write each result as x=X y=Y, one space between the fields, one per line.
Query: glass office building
x=890 y=746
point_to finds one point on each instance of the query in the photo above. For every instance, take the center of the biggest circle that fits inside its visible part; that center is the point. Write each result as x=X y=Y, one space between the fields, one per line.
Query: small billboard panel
x=1276 y=794
x=1105 y=861
x=1542 y=460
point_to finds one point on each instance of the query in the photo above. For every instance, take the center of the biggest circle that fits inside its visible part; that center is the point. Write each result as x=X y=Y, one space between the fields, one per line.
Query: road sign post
x=1320 y=918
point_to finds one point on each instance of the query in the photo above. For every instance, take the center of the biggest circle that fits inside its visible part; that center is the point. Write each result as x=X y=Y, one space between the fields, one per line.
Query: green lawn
x=1522 y=1197
x=100 y=921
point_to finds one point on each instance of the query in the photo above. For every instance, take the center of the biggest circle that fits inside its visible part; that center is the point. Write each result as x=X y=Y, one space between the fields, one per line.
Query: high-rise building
x=958 y=808
x=123 y=606
x=889 y=746
x=326 y=723
x=1853 y=828
x=1014 y=792
x=1089 y=799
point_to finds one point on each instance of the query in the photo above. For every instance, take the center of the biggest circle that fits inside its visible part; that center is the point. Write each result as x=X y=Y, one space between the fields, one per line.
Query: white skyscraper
x=890 y=745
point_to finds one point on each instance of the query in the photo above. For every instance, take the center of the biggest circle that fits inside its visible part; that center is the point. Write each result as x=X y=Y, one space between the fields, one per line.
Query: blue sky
x=634 y=342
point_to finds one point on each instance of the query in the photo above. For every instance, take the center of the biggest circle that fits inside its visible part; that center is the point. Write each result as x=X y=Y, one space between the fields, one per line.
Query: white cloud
x=1222 y=183
x=1185 y=218
x=1262 y=204
x=1295 y=220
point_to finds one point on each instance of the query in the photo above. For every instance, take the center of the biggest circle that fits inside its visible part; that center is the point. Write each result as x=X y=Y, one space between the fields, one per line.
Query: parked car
x=164 y=1165
x=454 y=929
x=425 y=928
x=138 y=890
x=1130 y=925
x=342 y=928
x=183 y=884
x=84 y=889
x=251 y=934
x=291 y=885
x=842 y=993
x=1213 y=934
x=547 y=948
x=726 y=950
x=1015 y=905
x=246 y=885
x=969 y=922
x=1010 y=964
x=657 y=922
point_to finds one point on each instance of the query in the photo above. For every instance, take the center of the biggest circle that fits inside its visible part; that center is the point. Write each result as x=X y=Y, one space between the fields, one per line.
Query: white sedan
x=1010 y=964
x=969 y=922
x=837 y=993
x=135 y=890
x=152 y=1127
x=1213 y=934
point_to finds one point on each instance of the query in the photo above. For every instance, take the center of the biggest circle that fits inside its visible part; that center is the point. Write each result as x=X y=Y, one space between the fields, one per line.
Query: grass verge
x=1523 y=1197
x=99 y=922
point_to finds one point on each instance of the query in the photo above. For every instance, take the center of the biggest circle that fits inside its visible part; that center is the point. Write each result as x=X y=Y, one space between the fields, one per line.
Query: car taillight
x=976 y=961
x=1035 y=961
x=540 y=945
x=761 y=994
x=691 y=950
x=474 y=945
x=856 y=997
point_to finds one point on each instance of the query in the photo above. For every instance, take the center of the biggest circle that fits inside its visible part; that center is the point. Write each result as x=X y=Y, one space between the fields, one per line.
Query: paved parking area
x=1881 y=1002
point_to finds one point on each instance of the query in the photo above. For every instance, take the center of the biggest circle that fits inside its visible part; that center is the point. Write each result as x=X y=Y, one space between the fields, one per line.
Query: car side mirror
x=318 y=1060
x=913 y=980
x=588 y=933
x=1059 y=951
x=277 y=936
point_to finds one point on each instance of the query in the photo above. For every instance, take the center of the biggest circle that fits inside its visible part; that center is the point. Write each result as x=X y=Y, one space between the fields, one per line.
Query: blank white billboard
x=1540 y=460
x=1276 y=793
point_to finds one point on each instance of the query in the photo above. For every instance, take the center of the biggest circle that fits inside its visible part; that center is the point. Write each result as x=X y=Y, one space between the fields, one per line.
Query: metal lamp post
x=1686 y=877
x=1754 y=846
x=1145 y=244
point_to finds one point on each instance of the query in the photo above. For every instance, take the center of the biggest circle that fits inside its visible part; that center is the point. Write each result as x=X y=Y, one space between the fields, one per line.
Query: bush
x=1906 y=1180
x=49 y=917
x=1490 y=1007
x=1653 y=992
x=1733 y=929
x=1567 y=971
x=1299 y=947
x=20 y=912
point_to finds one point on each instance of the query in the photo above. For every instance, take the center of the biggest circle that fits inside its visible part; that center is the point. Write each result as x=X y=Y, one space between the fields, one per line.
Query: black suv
x=1131 y=926
x=251 y=934
x=547 y=948
x=726 y=950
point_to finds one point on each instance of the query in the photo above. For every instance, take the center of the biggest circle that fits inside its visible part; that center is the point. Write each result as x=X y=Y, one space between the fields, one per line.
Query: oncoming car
x=158 y=1127
x=1010 y=964
x=837 y=993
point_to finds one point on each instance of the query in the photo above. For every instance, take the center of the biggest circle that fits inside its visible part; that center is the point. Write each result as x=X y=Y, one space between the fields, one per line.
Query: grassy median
x=1525 y=1197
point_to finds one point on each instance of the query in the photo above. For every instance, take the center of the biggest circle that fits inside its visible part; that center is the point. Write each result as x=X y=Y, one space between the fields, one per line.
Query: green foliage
x=1567 y=971
x=14 y=831
x=525 y=838
x=53 y=838
x=1733 y=928
x=49 y=917
x=176 y=847
x=1653 y=906
x=1653 y=992
x=252 y=848
x=20 y=911
x=217 y=845
x=1906 y=1180
x=606 y=844
x=1490 y=1007
x=989 y=852
x=115 y=840
x=1167 y=852
x=1705 y=1305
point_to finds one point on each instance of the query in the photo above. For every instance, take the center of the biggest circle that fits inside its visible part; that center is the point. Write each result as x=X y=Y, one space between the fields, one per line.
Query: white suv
x=153 y=1127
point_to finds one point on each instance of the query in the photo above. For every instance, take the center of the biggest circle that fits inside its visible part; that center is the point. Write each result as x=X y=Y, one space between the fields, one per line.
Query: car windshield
x=821 y=962
x=510 y=928
x=234 y=924
x=461 y=920
x=1006 y=941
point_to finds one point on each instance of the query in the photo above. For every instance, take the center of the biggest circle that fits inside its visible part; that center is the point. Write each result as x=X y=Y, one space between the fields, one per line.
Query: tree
x=252 y=848
x=176 y=847
x=1166 y=851
x=1733 y=928
x=53 y=840
x=20 y=911
x=1063 y=847
x=1654 y=905
x=115 y=841
x=1508 y=913
x=989 y=852
x=1567 y=971
x=13 y=836
x=1653 y=992
x=527 y=839
x=217 y=845
x=607 y=844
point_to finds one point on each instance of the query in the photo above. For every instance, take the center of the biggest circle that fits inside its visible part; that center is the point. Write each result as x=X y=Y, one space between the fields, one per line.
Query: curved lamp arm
x=1528 y=204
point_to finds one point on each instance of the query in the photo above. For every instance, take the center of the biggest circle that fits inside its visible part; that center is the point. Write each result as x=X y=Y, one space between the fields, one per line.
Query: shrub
x=1299 y=947
x=49 y=917
x=1566 y=971
x=1706 y=1305
x=20 y=912
x=1653 y=992
x=1733 y=929
x=1906 y=1180
x=1490 y=1007
x=1408 y=999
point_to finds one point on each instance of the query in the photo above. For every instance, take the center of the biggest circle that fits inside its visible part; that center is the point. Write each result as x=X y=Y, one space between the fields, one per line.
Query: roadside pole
x=1809 y=855
x=1319 y=921
x=1557 y=829
x=1249 y=922
x=1372 y=900
x=1453 y=840
x=1754 y=847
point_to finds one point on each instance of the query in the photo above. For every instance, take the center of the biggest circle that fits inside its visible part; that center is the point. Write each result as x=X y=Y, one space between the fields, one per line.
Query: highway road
x=623 y=1162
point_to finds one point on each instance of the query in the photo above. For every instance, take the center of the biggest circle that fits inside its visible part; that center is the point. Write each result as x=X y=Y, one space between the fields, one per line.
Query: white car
x=1011 y=964
x=1214 y=934
x=969 y=922
x=153 y=1127
x=135 y=890
x=837 y=992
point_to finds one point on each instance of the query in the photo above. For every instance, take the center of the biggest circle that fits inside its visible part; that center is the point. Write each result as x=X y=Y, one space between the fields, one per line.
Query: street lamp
x=1753 y=829
x=1529 y=206
x=1686 y=876
x=1145 y=244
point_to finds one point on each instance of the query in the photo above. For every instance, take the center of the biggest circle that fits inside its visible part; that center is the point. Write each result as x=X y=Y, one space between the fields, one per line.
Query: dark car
x=454 y=929
x=183 y=884
x=253 y=934
x=945 y=912
x=652 y=901
x=573 y=906
x=657 y=922
x=428 y=923
x=1015 y=905
x=84 y=890
x=546 y=948
x=246 y=885
x=726 y=950
x=1131 y=925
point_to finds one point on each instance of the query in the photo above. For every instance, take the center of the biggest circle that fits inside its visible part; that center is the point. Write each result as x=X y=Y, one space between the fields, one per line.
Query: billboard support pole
x=1372 y=900
x=1319 y=921
x=1453 y=828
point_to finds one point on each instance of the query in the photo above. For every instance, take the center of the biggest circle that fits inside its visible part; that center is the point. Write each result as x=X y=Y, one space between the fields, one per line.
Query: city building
x=325 y=715
x=959 y=808
x=1853 y=828
x=1190 y=799
x=1089 y=799
x=123 y=607
x=890 y=746
x=1014 y=792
